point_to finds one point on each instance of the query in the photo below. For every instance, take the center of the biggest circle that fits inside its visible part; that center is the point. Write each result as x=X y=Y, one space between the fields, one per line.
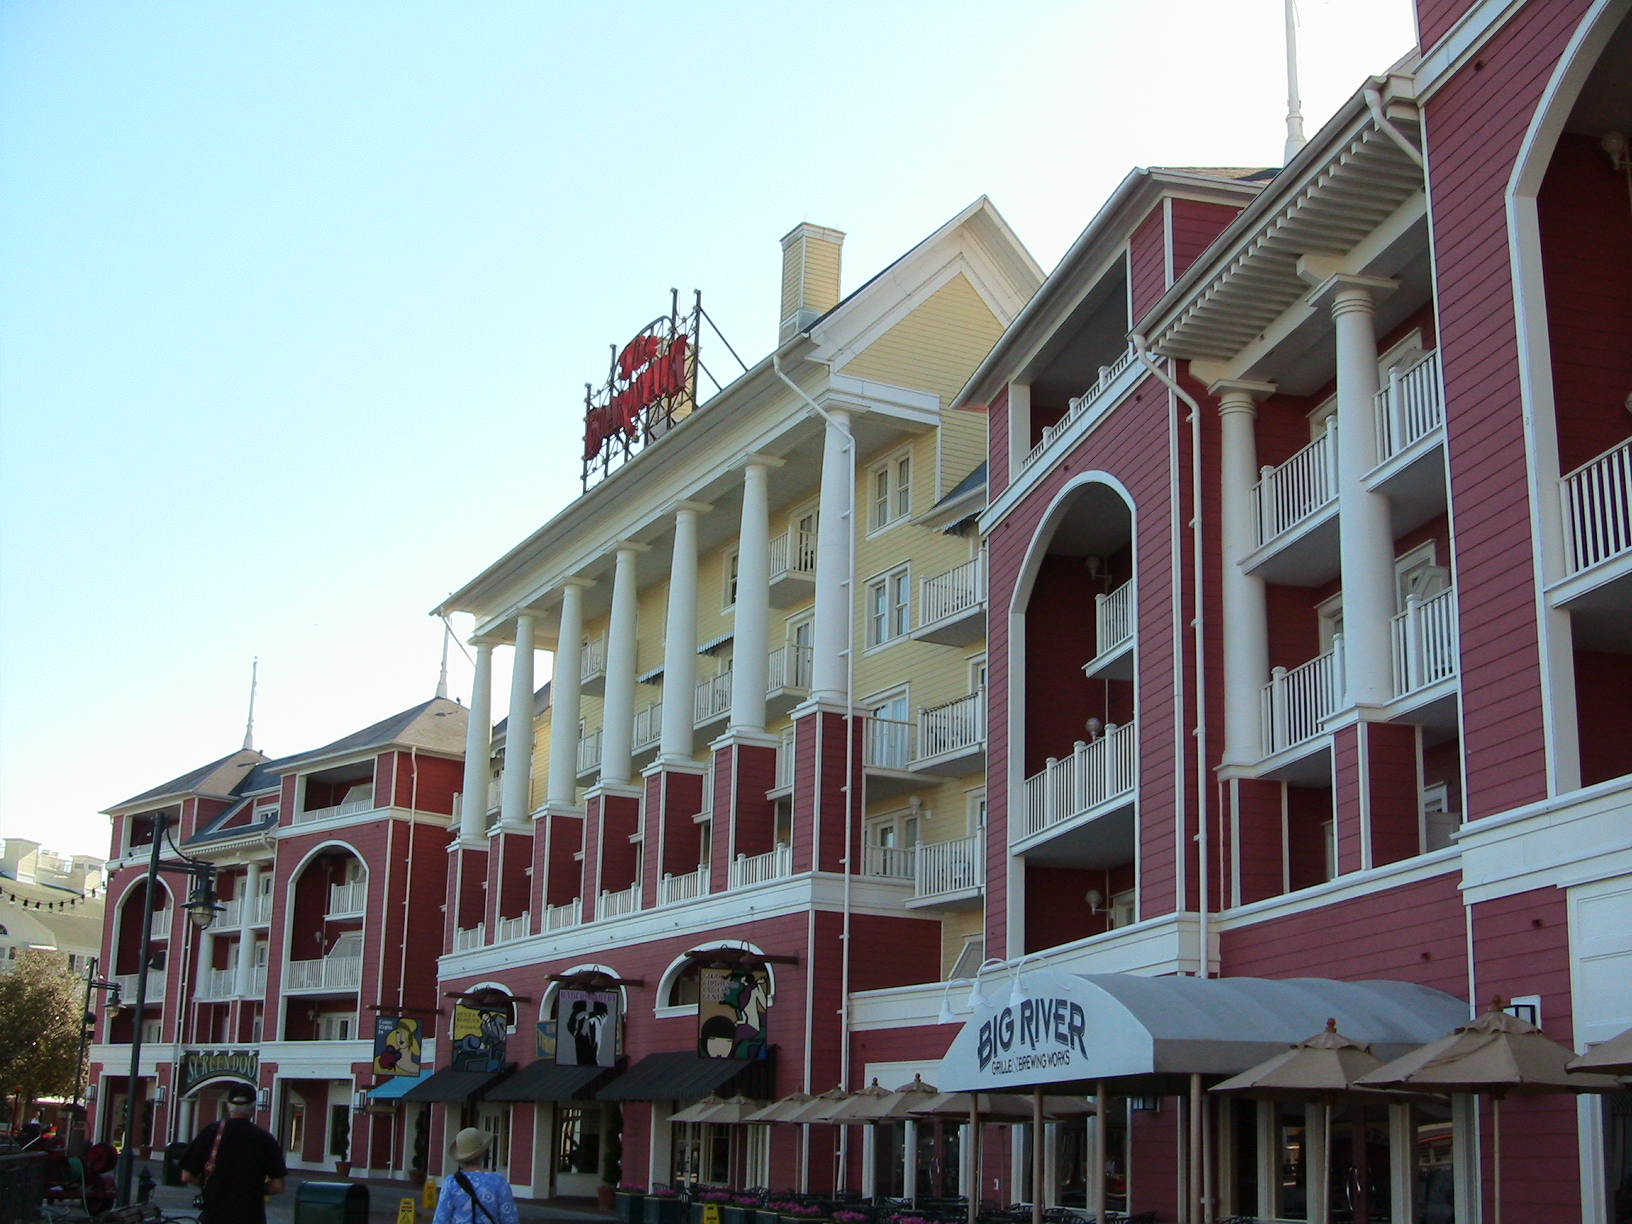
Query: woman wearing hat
x=472 y=1195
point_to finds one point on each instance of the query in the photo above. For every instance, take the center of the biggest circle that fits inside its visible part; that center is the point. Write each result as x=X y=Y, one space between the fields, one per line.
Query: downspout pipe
x=1374 y=103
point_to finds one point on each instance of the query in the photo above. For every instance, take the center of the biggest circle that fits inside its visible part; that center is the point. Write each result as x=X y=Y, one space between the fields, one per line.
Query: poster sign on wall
x=478 y=1037
x=587 y=1028
x=396 y=1045
x=732 y=1007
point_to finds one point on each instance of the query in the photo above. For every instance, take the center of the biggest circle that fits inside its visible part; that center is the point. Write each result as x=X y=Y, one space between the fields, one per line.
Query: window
x=577 y=1141
x=1439 y=823
x=891 y=841
x=334 y=1026
x=977 y=674
x=974 y=951
x=889 y=606
x=892 y=491
x=729 y=599
x=975 y=802
x=1415 y=573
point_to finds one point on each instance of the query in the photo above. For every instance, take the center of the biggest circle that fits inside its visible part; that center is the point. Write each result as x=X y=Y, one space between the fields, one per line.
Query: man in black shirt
x=237 y=1164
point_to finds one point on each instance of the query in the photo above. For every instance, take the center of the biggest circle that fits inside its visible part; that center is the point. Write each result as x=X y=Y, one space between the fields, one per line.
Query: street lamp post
x=92 y=982
x=201 y=911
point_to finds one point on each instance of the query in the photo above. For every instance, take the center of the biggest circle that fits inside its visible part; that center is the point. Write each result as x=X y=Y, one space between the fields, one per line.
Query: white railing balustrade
x=216 y=983
x=951 y=593
x=949 y=866
x=1424 y=642
x=953 y=726
x=648 y=726
x=230 y=915
x=257 y=981
x=155 y=987
x=1597 y=505
x=774 y=864
x=673 y=888
x=713 y=697
x=515 y=928
x=801 y=559
x=1409 y=407
x=893 y=862
x=1294 y=703
x=618 y=903
x=329 y=973
x=789 y=667
x=784 y=760
x=1113 y=618
x=887 y=743
x=1080 y=405
x=349 y=898
x=593 y=661
x=569 y=914
x=349 y=808
x=1094 y=774
x=1286 y=495
x=589 y=751
x=466 y=938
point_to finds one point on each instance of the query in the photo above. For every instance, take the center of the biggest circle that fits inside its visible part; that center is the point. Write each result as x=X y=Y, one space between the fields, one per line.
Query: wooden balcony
x=1113 y=634
x=1294 y=705
x=1596 y=501
x=951 y=737
x=1096 y=778
x=749 y=869
x=617 y=903
x=592 y=666
x=1424 y=643
x=793 y=568
x=672 y=889
x=327 y=973
x=949 y=874
x=952 y=606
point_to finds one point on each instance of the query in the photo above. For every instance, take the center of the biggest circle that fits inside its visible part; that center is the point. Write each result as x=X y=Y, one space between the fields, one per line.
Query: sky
x=298 y=299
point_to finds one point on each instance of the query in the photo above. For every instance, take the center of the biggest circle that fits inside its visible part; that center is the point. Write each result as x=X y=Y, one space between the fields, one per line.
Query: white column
x=680 y=638
x=1366 y=537
x=565 y=691
x=478 y=748
x=618 y=710
x=515 y=796
x=243 y=977
x=1246 y=641
x=753 y=614
x=834 y=535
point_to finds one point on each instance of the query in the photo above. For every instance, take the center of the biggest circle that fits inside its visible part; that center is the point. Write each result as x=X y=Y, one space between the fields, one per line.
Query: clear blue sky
x=297 y=299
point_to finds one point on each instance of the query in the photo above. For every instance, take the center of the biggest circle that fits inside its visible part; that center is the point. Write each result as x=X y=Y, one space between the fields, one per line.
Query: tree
x=42 y=1009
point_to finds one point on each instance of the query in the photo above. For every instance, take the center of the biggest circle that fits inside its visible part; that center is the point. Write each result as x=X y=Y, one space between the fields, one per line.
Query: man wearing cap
x=236 y=1163
x=472 y=1195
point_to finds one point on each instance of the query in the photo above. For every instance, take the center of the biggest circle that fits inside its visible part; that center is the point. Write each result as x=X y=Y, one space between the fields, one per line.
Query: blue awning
x=394 y=1087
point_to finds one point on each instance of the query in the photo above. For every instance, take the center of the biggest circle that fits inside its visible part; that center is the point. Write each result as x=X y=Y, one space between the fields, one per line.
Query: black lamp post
x=201 y=908
x=92 y=982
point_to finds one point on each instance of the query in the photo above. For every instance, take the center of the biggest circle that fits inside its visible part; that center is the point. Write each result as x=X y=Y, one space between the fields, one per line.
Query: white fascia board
x=1558 y=843
x=329 y=1060
x=1462 y=42
x=1354 y=886
x=885 y=399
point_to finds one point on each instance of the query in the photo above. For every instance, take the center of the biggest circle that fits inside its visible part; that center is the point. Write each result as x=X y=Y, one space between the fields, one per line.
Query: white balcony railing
x=1094 y=774
x=648 y=727
x=616 y=904
x=349 y=808
x=892 y=862
x=593 y=661
x=673 y=888
x=1294 y=703
x=784 y=760
x=559 y=917
x=589 y=751
x=789 y=667
x=1410 y=407
x=1597 y=504
x=1113 y=618
x=155 y=987
x=1080 y=405
x=956 y=591
x=949 y=866
x=954 y=726
x=887 y=743
x=1424 y=642
x=349 y=898
x=1286 y=495
x=466 y=938
x=515 y=928
x=230 y=915
x=328 y=973
x=217 y=983
x=713 y=697
x=774 y=864
x=801 y=559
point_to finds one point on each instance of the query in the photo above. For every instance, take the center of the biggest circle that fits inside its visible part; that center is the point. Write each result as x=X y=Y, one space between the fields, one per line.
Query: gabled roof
x=437 y=725
x=223 y=778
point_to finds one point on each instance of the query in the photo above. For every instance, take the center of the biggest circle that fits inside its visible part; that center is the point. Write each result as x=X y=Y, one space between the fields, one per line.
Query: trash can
x=331 y=1203
x=172 y=1163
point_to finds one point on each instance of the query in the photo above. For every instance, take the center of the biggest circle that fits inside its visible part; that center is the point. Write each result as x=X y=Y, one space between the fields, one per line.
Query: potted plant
x=740 y=1210
x=629 y=1197
x=422 y=1147
x=664 y=1205
x=849 y=1215
x=340 y=1143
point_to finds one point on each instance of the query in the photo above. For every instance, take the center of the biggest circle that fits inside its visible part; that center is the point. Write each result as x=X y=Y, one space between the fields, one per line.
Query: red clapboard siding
x=1147 y=262
x=1195 y=224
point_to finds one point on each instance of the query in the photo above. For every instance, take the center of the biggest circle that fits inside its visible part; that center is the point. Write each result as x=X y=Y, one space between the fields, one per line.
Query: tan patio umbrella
x=776 y=1113
x=1495 y=1055
x=1612 y=1057
x=697 y=1111
x=730 y=1111
x=874 y=1104
x=818 y=1108
x=1323 y=1069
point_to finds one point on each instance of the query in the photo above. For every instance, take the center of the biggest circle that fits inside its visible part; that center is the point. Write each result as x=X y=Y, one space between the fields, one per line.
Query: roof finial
x=249 y=725
x=1294 y=111
x=442 y=680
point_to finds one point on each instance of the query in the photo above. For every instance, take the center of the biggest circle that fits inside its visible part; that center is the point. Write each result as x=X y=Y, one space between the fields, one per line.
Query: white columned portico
x=1246 y=645
x=618 y=710
x=478 y=748
x=1366 y=537
x=243 y=969
x=680 y=638
x=565 y=692
x=835 y=534
x=515 y=794
x=752 y=619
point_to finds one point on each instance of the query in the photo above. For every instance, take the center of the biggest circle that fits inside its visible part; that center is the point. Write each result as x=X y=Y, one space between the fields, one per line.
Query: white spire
x=442 y=680
x=1294 y=111
x=249 y=725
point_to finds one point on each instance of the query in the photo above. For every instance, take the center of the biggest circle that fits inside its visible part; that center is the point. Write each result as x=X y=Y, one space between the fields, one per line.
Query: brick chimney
x=810 y=276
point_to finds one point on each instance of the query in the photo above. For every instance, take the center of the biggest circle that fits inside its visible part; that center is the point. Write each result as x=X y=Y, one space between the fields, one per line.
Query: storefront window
x=1292 y=1164
x=577 y=1142
x=1435 y=1182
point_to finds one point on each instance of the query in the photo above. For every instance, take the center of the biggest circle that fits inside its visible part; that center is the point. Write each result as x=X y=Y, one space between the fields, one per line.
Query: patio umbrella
x=731 y=1110
x=776 y=1113
x=697 y=1111
x=1612 y=1057
x=1495 y=1055
x=818 y=1108
x=874 y=1104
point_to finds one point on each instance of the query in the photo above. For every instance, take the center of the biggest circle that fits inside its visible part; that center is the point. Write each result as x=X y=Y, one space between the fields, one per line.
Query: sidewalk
x=383 y=1200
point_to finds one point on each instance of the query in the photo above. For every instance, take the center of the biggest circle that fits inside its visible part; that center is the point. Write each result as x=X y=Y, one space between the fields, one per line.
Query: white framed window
x=1418 y=572
x=801 y=630
x=891 y=840
x=1121 y=910
x=891 y=490
x=728 y=599
x=975 y=808
x=977 y=673
x=495 y=1120
x=974 y=952
x=889 y=606
x=1329 y=613
x=334 y=1026
x=802 y=524
x=1439 y=823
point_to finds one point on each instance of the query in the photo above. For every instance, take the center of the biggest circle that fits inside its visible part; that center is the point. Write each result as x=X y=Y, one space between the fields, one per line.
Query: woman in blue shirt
x=472 y=1196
